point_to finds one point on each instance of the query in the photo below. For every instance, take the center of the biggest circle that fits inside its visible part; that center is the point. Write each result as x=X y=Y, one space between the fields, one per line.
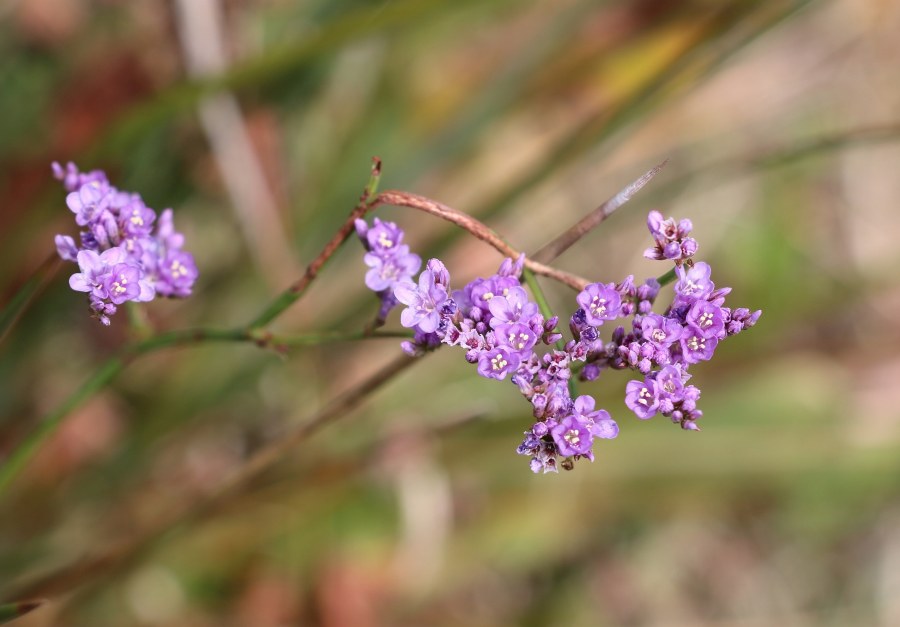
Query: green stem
x=667 y=278
x=541 y=300
x=10 y=611
x=544 y=306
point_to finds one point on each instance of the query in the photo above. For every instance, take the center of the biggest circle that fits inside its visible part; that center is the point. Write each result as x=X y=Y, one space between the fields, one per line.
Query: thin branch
x=584 y=226
x=476 y=228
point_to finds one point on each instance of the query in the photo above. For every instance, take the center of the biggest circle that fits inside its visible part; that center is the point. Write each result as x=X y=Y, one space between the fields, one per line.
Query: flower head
x=120 y=257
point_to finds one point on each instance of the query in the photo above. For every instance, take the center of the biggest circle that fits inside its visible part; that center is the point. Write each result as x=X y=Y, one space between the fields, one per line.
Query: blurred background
x=257 y=120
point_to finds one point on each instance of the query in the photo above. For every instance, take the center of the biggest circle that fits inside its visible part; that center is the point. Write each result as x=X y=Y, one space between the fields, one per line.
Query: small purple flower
x=641 y=398
x=695 y=346
x=177 y=273
x=94 y=270
x=693 y=284
x=516 y=336
x=87 y=202
x=601 y=302
x=423 y=303
x=388 y=272
x=497 y=363
x=669 y=383
x=136 y=218
x=481 y=291
x=514 y=306
x=384 y=238
x=598 y=422
x=708 y=318
x=123 y=284
x=660 y=332
x=572 y=437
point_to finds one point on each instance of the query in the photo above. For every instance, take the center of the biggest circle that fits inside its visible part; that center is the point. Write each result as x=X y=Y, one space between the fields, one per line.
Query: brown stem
x=476 y=228
x=566 y=239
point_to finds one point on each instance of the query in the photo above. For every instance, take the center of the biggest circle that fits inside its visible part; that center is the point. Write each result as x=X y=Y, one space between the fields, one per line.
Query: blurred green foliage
x=415 y=509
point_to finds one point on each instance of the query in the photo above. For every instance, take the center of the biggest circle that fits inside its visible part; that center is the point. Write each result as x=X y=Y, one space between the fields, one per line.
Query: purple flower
x=389 y=271
x=497 y=363
x=384 y=238
x=707 y=317
x=516 y=336
x=177 y=273
x=94 y=270
x=669 y=383
x=481 y=291
x=423 y=303
x=693 y=284
x=513 y=306
x=572 y=437
x=123 y=283
x=641 y=398
x=601 y=302
x=660 y=332
x=598 y=422
x=136 y=218
x=695 y=346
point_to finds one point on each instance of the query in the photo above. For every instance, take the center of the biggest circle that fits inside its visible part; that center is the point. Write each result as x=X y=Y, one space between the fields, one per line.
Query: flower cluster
x=121 y=256
x=501 y=329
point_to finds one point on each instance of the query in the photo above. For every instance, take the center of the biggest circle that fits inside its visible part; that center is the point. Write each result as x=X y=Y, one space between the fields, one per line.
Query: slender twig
x=566 y=239
x=476 y=228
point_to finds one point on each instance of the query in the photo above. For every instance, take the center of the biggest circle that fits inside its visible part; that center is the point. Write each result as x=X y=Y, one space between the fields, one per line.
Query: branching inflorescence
x=500 y=327
x=121 y=256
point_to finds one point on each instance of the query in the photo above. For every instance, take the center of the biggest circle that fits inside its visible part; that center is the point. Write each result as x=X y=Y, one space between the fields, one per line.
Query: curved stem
x=476 y=228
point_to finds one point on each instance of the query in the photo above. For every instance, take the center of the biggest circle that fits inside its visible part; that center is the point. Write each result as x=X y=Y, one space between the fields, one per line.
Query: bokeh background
x=256 y=121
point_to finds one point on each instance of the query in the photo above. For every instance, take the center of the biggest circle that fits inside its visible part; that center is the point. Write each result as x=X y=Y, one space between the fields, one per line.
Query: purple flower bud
x=65 y=247
x=441 y=275
x=590 y=372
x=672 y=250
x=689 y=248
